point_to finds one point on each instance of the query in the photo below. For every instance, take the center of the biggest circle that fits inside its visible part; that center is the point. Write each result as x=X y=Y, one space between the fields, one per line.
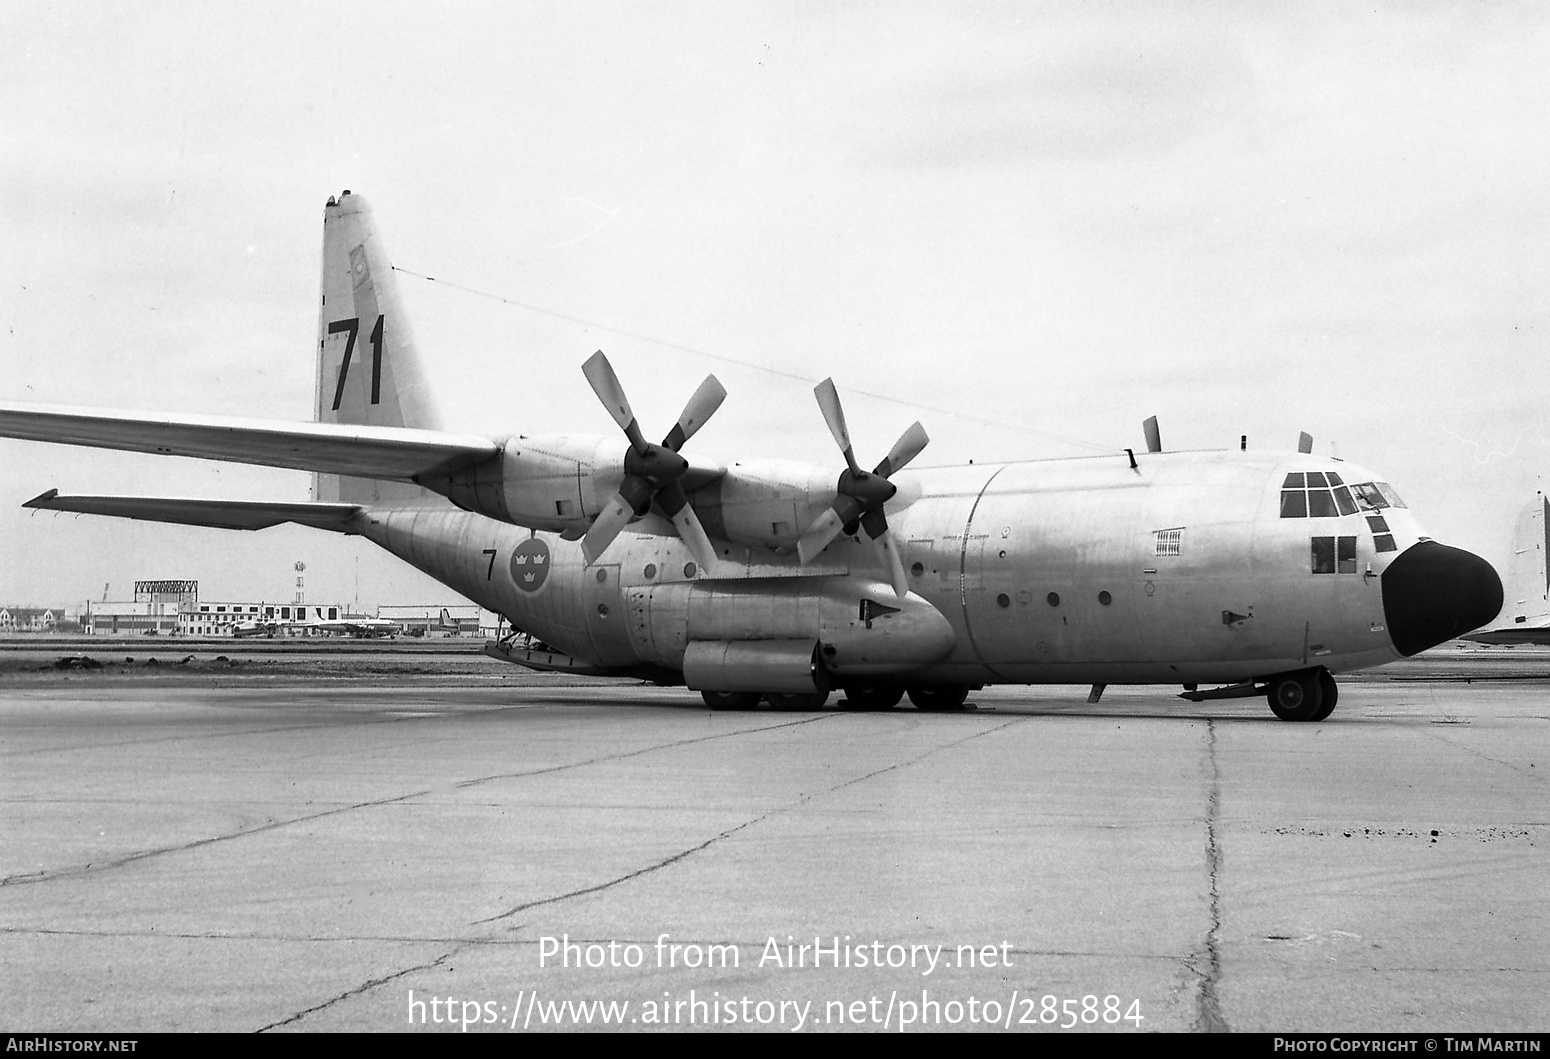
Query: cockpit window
x=1315 y=494
x=1375 y=496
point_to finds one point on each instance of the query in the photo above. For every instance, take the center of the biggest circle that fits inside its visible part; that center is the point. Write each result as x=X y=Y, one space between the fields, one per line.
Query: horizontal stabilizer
x=388 y=453
x=217 y=514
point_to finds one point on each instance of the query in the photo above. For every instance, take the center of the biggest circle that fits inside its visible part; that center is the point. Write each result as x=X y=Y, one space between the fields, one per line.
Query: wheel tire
x=1331 y=692
x=873 y=696
x=1296 y=696
x=935 y=698
x=798 y=700
x=731 y=700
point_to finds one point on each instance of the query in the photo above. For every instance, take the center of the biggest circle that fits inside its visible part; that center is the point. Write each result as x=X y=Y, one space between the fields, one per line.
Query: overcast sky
x=1031 y=225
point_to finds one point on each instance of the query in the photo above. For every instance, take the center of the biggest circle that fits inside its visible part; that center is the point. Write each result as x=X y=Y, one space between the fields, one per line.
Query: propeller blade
x=904 y=450
x=700 y=408
x=605 y=384
x=677 y=507
x=606 y=527
x=834 y=416
x=875 y=523
x=824 y=529
x=888 y=555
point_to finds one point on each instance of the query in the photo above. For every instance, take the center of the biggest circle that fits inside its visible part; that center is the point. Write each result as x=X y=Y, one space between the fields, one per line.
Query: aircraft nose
x=1432 y=593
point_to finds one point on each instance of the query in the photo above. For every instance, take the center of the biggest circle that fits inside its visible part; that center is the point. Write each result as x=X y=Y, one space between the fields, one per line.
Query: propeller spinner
x=651 y=472
x=861 y=495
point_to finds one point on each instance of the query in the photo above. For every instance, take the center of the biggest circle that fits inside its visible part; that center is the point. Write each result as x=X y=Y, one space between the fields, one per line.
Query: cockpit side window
x=1375 y=496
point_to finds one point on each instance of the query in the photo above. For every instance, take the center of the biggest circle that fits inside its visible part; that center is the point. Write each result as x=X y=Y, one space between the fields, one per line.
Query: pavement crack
x=636 y=874
x=795 y=803
x=1534 y=774
x=1208 y=1016
x=94 y=867
x=364 y=987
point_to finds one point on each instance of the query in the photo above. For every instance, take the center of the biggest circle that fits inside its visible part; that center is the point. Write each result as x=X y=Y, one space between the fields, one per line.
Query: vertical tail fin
x=1528 y=576
x=368 y=368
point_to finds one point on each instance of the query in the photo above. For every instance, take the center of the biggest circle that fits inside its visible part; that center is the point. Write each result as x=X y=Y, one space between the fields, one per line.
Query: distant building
x=29 y=619
x=166 y=592
x=152 y=612
x=129 y=618
x=173 y=608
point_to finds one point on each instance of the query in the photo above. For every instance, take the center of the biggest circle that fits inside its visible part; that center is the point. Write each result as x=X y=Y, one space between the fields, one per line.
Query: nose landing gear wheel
x=1297 y=696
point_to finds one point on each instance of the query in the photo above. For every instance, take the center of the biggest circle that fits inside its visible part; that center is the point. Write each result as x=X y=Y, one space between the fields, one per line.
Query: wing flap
x=389 y=453
x=217 y=514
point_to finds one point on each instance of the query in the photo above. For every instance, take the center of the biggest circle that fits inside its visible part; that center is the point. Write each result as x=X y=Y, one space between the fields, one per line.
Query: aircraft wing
x=218 y=514
x=390 y=453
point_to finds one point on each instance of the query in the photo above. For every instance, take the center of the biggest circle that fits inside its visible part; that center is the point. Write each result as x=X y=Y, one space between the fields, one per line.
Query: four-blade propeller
x=651 y=472
x=861 y=495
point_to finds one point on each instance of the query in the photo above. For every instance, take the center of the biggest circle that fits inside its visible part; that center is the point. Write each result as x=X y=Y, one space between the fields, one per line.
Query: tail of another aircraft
x=369 y=369
x=1528 y=576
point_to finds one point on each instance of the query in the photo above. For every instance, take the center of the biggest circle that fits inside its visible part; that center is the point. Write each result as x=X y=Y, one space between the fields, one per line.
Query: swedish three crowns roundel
x=530 y=564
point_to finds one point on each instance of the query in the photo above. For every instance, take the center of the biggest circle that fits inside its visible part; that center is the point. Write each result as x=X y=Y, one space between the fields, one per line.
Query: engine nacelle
x=562 y=482
x=765 y=503
x=556 y=482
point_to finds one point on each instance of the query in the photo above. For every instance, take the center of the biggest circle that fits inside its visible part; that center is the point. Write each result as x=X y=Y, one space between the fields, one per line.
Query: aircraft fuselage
x=1181 y=570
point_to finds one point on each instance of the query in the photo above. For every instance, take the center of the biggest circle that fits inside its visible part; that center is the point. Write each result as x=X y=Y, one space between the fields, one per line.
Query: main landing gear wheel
x=1331 y=692
x=935 y=698
x=798 y=700
x=1297 y=696
x=731 y=700
x=873 y=696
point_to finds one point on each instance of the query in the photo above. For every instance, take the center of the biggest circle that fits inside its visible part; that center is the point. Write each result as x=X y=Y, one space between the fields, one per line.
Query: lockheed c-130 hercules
x=1263 y=572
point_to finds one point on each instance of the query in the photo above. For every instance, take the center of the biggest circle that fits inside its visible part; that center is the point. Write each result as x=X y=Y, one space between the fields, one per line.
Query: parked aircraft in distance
x=359 y=626
x=245 y=629
x=349 y=625
x=1525 y=617
x=1266 y=572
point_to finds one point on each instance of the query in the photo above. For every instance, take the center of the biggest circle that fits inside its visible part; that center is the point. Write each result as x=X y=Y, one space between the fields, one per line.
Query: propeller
x=651 y=472
x=861 y=495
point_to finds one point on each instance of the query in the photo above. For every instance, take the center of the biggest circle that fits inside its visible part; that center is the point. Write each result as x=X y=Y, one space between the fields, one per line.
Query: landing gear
x=873 y=696
x=731 y=700
x=935 y=698
x=1331 y=692
x=1306 y=695
x=798 y=700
